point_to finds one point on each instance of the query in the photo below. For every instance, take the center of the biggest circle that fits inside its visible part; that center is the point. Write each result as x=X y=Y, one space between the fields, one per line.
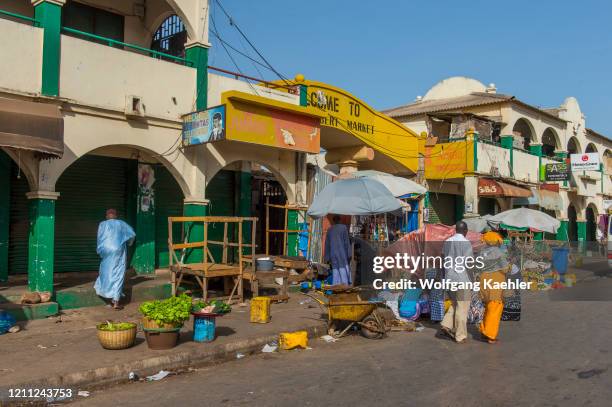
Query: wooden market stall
x=298 y=263
x=208 y=267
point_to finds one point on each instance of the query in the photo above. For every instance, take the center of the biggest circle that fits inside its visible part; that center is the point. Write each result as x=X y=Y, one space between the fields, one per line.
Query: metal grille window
x=170 y=37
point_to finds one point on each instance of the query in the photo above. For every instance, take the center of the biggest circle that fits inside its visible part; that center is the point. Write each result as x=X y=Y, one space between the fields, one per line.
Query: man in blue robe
x=114 y=235
x=337 y=252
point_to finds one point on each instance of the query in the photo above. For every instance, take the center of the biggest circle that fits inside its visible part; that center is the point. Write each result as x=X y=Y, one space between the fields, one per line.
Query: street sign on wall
x=585 y=162
x=557 y=172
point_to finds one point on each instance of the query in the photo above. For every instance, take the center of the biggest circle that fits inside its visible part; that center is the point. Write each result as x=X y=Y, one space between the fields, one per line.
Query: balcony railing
x=114 y=43
x=16 y=16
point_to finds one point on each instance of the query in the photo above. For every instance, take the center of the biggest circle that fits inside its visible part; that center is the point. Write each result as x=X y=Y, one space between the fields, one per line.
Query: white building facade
x=512 y=142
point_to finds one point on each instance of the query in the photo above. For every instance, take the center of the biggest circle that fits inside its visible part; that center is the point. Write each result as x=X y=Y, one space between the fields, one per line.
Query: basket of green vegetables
x=116 y=335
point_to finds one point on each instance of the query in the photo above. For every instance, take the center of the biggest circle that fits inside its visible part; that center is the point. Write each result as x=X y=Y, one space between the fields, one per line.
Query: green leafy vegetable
x=174 y=310
x=219 y=307
x=115 y=326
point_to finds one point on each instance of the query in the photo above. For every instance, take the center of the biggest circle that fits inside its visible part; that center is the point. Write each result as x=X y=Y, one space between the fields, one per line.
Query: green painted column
x=5 y=218
x=472 y=135
x=536 y=149
x=197 y=55
x=292 y=238
x=41 y=240
x=303 y=95
x=194 y=231
x=49 y=14
x=507 y=142
x=426 y=206
x=143 y=259
x=563 y=232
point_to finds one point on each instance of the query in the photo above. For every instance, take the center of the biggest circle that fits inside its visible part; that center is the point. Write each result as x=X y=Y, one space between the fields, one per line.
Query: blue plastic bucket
x=204 y=328
x=560 y=259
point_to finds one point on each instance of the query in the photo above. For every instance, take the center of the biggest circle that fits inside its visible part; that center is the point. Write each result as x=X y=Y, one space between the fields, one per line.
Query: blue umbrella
x=354 y=196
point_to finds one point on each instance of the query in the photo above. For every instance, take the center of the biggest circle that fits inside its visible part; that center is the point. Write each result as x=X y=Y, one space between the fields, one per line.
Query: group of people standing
x=486 y=306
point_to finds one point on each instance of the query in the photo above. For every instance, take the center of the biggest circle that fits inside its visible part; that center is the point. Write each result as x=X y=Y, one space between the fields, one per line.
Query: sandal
x=445 y=332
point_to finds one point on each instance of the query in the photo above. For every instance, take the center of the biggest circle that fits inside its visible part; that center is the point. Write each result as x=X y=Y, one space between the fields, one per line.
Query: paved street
x=559 y=354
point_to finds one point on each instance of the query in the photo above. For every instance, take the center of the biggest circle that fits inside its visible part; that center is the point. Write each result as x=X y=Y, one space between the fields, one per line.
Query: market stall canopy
x=481 y=223
x=542 y=197
x=354 y=196
x=489 y=187
x=527 y=218
x=31 y=126
x=397 y=185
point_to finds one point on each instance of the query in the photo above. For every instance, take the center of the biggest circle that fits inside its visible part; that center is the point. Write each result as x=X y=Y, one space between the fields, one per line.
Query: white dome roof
x=454 y=87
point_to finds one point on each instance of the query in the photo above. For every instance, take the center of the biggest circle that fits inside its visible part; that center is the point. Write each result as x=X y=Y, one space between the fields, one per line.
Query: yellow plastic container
x=292 y=340
x=260 y=310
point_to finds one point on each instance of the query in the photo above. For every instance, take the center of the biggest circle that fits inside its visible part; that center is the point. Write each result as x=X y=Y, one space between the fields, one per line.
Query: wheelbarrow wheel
x=370 y=328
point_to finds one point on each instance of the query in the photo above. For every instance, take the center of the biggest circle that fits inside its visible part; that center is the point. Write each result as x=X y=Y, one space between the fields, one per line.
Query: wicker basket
x=117 y=339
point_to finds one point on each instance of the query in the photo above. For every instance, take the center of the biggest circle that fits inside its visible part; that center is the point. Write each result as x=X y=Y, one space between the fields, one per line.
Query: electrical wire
x=214 y=26
x=253 y=60
x=233 y=24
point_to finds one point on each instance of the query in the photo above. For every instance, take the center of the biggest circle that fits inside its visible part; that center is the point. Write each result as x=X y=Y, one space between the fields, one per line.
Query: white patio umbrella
x=353 y=196
x=397 y=185
x=527 y=218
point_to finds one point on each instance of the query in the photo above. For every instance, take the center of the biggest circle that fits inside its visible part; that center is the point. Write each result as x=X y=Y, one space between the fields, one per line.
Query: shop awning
x=31 y=126
x=543 y=198
x=489 y=187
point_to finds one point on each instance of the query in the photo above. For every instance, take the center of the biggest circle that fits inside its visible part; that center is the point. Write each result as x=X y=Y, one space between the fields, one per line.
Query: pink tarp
x=428 y=241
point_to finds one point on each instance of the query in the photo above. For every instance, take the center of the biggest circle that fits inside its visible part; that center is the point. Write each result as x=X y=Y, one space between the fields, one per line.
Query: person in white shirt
x=454 y=324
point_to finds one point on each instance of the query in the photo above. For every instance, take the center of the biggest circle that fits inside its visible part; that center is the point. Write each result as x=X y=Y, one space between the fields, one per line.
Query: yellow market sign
x=344 y=112
x=448 y=160
x=259 y=120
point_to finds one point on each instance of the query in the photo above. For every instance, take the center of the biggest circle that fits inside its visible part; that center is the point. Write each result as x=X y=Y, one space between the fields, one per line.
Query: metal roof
x=440 y=105
x=460 y=102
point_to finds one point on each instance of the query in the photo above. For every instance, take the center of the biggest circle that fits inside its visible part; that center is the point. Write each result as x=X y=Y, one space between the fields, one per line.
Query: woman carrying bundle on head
x=494 y=272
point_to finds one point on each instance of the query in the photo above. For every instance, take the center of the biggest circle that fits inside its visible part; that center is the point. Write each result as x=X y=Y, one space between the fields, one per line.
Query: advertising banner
x=204 y=126
x=585 y=162
x=557 y=172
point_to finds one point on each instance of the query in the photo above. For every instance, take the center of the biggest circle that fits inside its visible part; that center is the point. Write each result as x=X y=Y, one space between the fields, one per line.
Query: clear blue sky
x=388 y=52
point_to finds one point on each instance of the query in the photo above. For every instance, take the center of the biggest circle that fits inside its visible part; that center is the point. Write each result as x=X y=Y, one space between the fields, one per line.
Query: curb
x=209 y=355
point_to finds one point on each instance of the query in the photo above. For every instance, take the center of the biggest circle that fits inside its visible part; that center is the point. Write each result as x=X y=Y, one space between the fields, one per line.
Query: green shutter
x=442 y=208
x=87 y=188
x=5 y=208
x=168 y=202
x=19 y=223
x=220 y=192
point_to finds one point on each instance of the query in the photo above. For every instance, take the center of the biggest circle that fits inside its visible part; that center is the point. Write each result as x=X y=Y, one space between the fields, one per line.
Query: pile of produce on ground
x=174 y=310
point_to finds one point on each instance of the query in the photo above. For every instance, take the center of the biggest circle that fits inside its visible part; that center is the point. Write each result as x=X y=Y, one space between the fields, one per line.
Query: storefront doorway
x=95 y=183
x=572 y=229
x=591 y=224
x=243 y=189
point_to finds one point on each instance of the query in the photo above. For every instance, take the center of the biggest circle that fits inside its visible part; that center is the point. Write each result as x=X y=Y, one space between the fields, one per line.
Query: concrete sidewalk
x=64 y=351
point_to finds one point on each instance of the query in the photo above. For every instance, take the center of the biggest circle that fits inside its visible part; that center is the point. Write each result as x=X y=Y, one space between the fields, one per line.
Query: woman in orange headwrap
x=493 y=272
